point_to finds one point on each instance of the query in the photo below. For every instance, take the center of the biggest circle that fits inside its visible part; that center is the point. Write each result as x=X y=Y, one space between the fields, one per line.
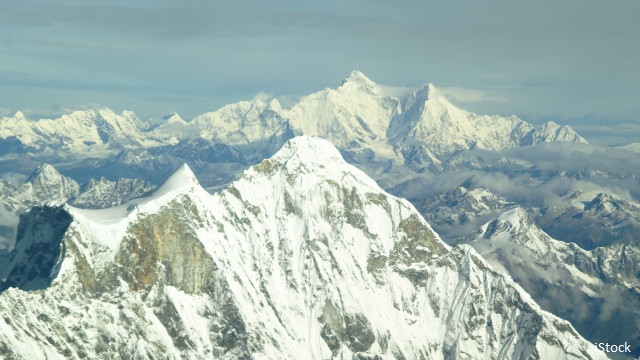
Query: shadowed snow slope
x=303 y=257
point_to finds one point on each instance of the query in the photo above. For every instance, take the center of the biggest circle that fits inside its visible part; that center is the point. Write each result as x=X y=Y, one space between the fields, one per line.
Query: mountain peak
x=309 y=160
x=182 y=180
x=43 y=170
x=356 y=75
x=552 y=132
x=310 y=150
x=515 y=223
x=431 y=94
x=173 y=117
x=19 y=115
x=358 y=80
x=432 y=91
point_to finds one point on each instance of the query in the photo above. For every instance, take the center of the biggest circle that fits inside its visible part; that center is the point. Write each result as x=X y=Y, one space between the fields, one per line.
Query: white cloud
x=463 y=94
x=263 y=96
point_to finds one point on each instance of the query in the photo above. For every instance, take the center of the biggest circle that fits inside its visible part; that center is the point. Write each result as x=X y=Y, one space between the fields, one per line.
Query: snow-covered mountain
x=429 y=128
x=566 y=279
x=303 y=257
x=458 y=213
x=551 y=132
x=592 y=219
x=574 y=283
x=366 y=121
x=44 y=185
x=94 y=130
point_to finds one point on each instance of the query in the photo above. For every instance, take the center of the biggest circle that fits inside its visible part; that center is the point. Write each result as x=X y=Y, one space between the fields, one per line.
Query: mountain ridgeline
x=419 y=128
x=303 y=257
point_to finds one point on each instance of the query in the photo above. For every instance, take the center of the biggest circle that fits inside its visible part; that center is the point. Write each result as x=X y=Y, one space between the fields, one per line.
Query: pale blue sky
x=536 y=59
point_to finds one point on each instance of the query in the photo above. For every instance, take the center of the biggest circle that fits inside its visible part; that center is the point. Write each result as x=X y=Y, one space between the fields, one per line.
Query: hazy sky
x=566 y=58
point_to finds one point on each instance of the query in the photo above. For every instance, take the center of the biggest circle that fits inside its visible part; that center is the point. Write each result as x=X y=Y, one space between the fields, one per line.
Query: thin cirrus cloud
x=470 y=95
x=185 y=21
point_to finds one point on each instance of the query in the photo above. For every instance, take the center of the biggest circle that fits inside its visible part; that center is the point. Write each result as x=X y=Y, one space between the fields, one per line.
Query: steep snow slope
x=430 y=121
x=354 y=116
x=304 y=257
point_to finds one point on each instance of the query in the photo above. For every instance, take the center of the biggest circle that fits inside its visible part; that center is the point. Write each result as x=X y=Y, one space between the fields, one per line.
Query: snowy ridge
x=96 y=130
x=418 y=127
x=304 y=257
x=552 y=132
x=115 y=220
x=432 y=122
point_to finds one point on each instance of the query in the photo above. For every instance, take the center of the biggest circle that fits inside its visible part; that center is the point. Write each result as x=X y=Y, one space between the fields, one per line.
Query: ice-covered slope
x=304 y=257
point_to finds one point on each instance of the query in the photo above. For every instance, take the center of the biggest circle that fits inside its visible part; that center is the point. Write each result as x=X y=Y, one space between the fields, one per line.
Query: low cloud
x=538 y=176
x=263 y=96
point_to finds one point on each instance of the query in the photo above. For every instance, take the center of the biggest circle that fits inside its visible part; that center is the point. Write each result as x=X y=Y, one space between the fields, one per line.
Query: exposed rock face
x=304 y=257
x=102 y=193
x=35 y=260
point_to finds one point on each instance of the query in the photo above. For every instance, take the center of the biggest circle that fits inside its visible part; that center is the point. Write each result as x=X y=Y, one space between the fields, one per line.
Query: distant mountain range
x=420 y=128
